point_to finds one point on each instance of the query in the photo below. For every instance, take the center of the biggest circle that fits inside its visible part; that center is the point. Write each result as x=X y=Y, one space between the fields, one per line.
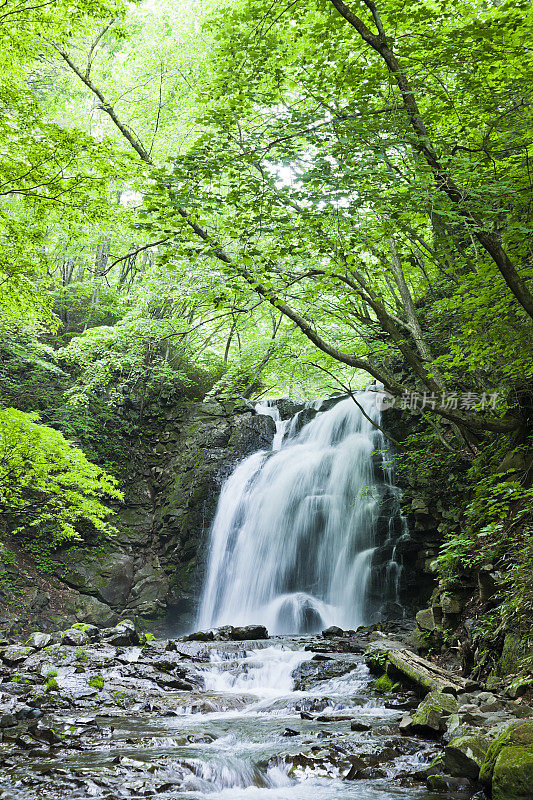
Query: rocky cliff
x=154 y=563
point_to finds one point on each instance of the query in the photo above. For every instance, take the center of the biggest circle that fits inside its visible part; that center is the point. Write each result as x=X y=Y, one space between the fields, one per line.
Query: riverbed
x=258 y=720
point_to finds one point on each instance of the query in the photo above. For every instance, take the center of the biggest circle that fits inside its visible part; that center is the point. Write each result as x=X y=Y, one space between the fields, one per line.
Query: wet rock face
x=155 y=560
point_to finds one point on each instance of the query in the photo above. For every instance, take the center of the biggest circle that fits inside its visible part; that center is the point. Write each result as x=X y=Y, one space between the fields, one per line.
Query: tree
x=47 y=486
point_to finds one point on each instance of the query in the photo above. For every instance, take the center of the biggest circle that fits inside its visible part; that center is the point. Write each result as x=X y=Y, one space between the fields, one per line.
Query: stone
x=332 y=631
x=487 y=582
x=150 y=583
x=436 y=783
x=92 y=611
x=107 y=574
x=405 y=725
x=450 y=604
x=249 y=632
x=290 y=732
x=16 y=654
x=513 y=774
x=429 y=717
x=122 y=635
x=200 y=636
x=92 y=631
x=385 y=685
x=74 y=637
x=519 y=688
x=252 y=433
x=356 y=725
x=508 y=765
x=425 y=620
x=7 y=721
x=464 y=755
x=39 y=640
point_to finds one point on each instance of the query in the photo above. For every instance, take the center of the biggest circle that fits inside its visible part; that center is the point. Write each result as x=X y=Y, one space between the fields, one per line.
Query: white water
x=293 y=541
x=266 y=672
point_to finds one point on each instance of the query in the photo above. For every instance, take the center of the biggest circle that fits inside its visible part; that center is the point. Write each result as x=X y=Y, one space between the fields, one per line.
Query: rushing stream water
x=294 y=544
x=270 y=721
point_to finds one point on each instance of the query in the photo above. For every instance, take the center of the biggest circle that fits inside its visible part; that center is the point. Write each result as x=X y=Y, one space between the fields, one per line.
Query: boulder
x=252 y=433
x=451 y=604
x=200 y=636
x=332 y=631
x=74 y=637
x=249 y=632
x=89 y=610
x=16 y=654
x=429 y=718
x=122 y=635
x=39 y=640
x=92 y=631
x=105 y=574
x=464 y=755
x=508 y=765
x=356 y=725
x=426 y=621
x=519 y=687
x=288 y=408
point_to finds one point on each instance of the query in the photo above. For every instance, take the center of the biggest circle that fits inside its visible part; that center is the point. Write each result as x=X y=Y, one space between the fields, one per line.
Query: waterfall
x=300 y=529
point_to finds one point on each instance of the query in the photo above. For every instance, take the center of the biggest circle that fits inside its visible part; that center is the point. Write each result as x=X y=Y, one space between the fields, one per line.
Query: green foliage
x=48 y=489
x=81 y=655
x=136 y=361
x=96 y=682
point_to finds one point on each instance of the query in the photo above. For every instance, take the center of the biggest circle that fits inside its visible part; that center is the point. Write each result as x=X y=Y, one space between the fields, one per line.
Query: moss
x=464 y=755
x=385 y=685
x=408 y=671
x=519 y=734
x=96 y=682
x=512 y=654
x=429 y=716
x=513 y=774
x=436 y=783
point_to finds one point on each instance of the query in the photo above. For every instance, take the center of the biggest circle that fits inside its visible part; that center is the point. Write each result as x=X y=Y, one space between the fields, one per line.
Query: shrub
x=48 y=488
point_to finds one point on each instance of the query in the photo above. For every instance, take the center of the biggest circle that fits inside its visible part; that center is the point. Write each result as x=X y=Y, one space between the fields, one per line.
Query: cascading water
x=297 y=531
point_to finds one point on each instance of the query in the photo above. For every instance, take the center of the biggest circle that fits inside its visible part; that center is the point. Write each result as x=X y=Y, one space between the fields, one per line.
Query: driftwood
x=420 y=674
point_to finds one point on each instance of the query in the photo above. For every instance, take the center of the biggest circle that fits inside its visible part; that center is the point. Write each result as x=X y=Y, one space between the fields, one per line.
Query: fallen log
x=416 y=672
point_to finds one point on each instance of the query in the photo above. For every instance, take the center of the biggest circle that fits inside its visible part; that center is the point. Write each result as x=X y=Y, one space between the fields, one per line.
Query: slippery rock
x=249 y=632
x=464 y=755
x=74 y=637
x=508 y=765
x=332 y=631
x=122 y=635
x=16 y=654
x=39 y=640
x=426 y=619
x=429 y=717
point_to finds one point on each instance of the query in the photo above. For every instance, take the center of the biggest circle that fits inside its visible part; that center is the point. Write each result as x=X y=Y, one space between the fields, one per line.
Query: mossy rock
x=430 y=714
x=508 y=765
x=513 y=774
x=464 y=755
x=385 y=685
x=514 y=650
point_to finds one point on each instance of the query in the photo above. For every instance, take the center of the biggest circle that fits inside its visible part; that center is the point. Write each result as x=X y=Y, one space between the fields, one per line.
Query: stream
x=262 y=719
